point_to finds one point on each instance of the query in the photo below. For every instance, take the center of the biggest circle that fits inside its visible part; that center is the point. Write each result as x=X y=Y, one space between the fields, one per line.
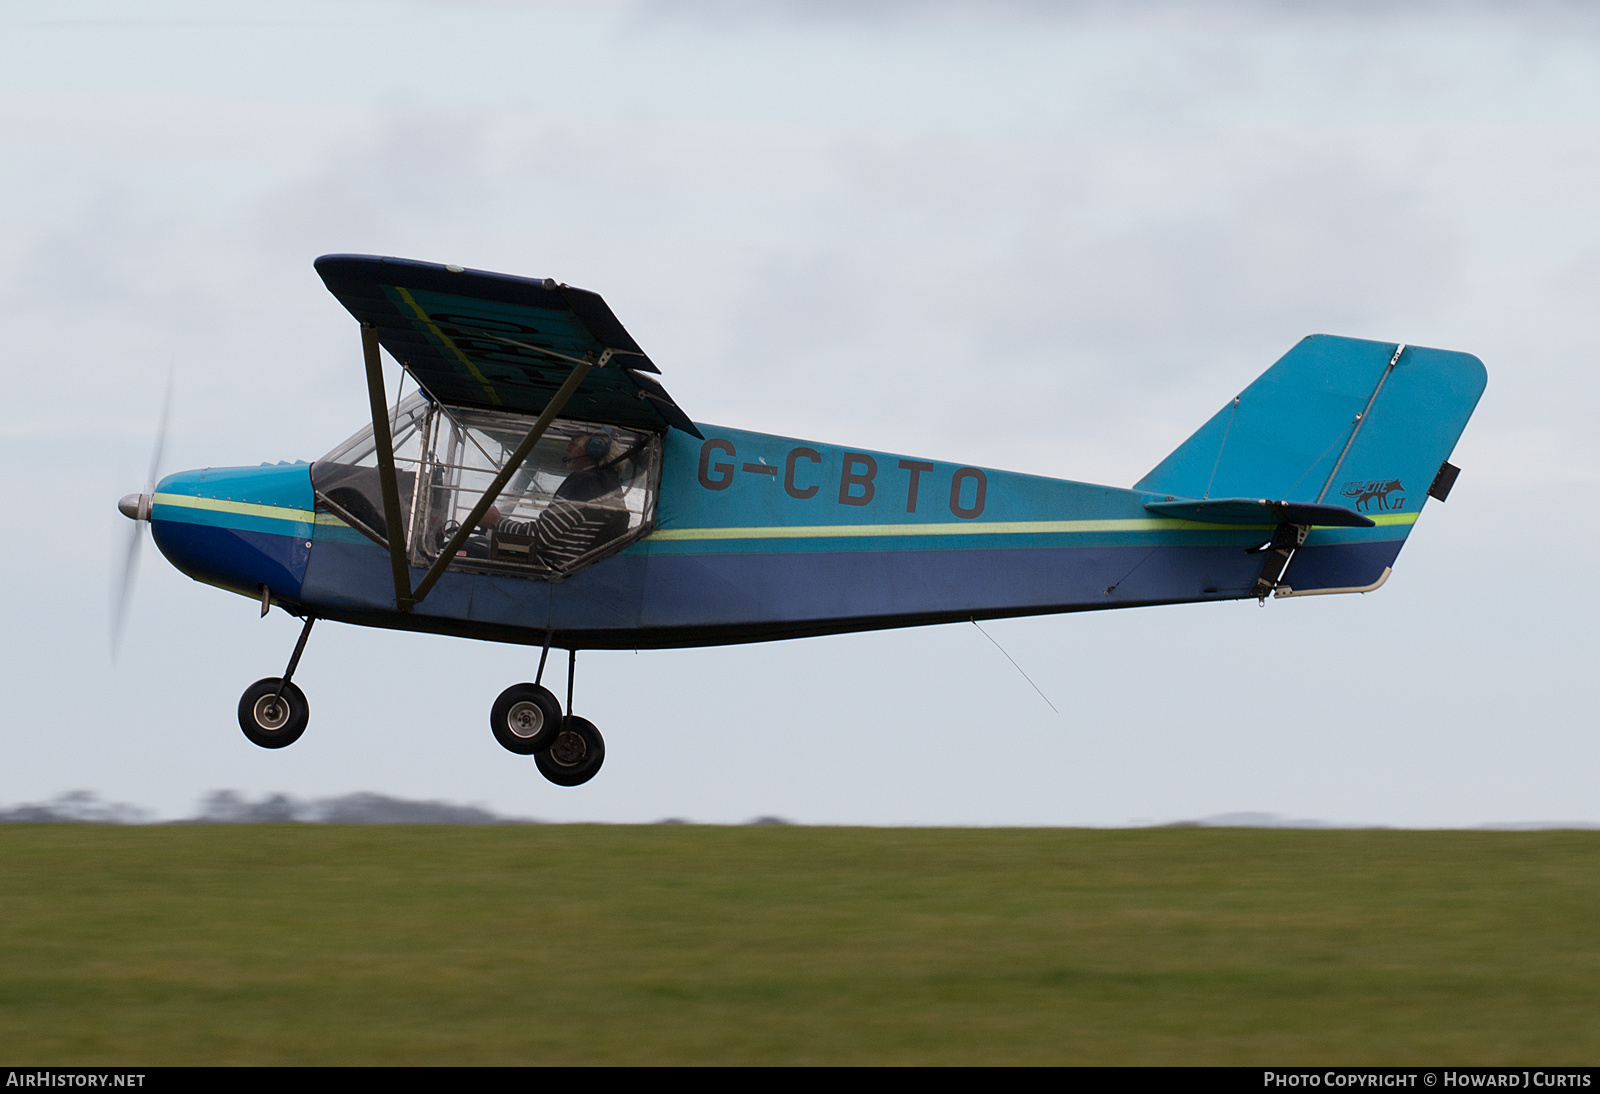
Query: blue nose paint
x=238 y=527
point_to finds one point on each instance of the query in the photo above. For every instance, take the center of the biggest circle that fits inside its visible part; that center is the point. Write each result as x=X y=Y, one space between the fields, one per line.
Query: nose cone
x=238 y=527
x=135 y=506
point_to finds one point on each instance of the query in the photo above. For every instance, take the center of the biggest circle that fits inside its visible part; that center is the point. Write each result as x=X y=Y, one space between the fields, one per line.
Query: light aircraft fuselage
x=762 y=537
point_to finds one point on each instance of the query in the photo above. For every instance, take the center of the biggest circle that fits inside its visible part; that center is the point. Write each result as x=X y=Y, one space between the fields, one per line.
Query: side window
x=584 y=492
x=346 y=480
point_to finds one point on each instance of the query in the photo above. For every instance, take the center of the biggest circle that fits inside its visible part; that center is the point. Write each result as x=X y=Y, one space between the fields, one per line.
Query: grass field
x=688 y=944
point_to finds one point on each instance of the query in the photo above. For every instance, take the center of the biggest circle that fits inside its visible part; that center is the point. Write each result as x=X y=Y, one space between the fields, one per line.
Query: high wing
x=489 y=340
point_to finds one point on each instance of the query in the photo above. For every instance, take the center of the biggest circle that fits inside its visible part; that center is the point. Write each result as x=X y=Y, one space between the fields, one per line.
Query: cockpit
x=584 y=492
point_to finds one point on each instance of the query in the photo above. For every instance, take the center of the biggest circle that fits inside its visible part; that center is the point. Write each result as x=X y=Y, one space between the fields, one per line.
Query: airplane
x=540 y=486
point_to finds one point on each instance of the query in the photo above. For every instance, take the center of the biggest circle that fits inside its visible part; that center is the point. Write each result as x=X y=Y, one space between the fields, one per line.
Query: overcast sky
x=1033 y=236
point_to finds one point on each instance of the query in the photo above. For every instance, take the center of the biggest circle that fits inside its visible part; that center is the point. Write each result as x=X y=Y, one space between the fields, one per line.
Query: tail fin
x=1339 y=421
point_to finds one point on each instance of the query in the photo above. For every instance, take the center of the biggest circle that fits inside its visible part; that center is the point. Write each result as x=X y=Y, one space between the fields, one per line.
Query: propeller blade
x=122 y=593
x=161 y=438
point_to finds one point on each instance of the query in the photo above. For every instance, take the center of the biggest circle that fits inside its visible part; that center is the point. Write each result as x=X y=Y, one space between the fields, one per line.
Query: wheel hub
x=271 y=711
x=525 y=719
x=569 y=749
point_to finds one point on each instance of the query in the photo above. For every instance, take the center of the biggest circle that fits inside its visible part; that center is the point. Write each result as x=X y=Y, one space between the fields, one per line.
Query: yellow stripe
x=244 y=508
x=993 y=528
x=806 y=531
x=488 y=388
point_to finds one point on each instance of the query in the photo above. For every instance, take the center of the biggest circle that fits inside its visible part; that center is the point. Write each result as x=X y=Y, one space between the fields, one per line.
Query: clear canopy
x=583 y=492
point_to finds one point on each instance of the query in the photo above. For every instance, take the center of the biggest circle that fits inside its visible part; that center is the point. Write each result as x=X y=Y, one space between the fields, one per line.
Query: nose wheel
x=273 y=713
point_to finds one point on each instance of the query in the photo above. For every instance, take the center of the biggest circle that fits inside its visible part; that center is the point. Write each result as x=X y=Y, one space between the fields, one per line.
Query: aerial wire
x=1014 y=665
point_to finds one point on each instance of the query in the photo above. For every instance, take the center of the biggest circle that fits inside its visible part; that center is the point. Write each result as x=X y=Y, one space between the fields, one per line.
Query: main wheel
x=272 y=720
x=525 y=719
x=576 y=755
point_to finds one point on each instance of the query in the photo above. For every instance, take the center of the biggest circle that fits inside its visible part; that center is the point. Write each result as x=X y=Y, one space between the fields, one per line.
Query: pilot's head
x=587 y=449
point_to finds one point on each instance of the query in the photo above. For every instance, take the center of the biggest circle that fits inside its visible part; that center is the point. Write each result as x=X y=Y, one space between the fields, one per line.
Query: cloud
x=919 y=13
x=1054 y=238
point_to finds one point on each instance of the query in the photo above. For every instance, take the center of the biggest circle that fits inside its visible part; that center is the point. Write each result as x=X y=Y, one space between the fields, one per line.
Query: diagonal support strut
x=555 y=406
x=387 y=479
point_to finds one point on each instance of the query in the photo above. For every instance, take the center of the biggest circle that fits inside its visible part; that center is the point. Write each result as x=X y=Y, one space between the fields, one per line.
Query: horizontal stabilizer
x=1260 y=511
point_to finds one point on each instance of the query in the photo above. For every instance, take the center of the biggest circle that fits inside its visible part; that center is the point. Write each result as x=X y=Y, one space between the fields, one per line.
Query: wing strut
x=555 y=406
x=387 y=478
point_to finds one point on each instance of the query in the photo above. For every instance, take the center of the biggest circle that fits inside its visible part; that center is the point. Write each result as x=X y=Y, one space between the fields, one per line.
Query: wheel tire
x=576 y=754
x=273 y=724
x=525 y=719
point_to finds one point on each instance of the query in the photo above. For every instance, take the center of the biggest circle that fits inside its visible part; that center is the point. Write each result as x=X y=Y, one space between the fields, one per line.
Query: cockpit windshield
x=583 y=492
x=406 y=424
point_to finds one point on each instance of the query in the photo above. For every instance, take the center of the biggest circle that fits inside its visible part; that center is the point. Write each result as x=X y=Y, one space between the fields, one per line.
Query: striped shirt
x=587 y=512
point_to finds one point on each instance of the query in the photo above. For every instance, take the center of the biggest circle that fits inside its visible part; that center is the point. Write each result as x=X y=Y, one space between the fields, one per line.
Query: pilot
x=586 y=511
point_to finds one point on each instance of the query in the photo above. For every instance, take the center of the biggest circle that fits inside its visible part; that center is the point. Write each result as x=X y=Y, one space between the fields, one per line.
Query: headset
x=597 y=446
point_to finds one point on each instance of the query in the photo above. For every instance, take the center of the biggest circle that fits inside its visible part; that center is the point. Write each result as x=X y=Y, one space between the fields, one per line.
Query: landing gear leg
x=273 y=712
x=578 y=750
x=527 y=717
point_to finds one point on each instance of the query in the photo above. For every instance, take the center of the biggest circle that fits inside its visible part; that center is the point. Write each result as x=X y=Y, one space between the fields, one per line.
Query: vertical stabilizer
x=1337 y=421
